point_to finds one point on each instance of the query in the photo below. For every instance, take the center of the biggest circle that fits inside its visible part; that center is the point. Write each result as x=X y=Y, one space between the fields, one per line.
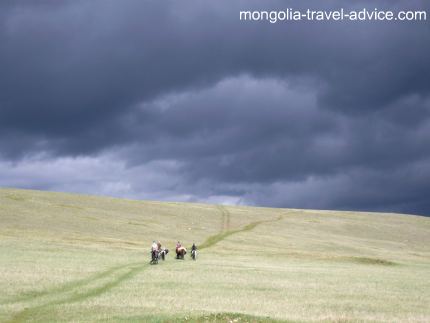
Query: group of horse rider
x=157 y=248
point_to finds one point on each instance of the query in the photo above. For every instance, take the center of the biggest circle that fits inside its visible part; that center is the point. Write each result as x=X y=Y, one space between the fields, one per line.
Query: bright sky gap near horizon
x=180 y=100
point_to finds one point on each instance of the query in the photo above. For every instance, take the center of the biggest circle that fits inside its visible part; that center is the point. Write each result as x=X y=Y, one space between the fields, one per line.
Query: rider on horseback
x=193 y=251
x=154 y=252
x=154 y=246
x=180 y=251
x=178 y=246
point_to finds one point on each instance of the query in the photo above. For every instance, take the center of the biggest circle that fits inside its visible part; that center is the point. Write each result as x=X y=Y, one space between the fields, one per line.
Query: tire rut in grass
x=67 y=287
x=225 y=218
x=212 y=240
x=69 y=294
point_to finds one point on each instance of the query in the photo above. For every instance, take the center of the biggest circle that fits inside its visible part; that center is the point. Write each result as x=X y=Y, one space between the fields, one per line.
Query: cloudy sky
x=179 y=100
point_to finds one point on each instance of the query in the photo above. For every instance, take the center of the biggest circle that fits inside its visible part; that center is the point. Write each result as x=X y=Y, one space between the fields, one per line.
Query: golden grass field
x=76 y=258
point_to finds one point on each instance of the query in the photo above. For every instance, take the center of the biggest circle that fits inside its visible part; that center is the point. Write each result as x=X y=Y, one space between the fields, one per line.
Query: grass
x=209 y=318
x=67 y=257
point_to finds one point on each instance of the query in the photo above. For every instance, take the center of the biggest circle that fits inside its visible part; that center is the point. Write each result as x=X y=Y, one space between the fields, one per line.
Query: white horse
x=194 y=254
x=163 y=253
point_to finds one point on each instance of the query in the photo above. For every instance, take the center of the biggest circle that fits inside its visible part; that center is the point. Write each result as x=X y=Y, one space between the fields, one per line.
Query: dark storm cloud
x=239 y=108
x=277 y=132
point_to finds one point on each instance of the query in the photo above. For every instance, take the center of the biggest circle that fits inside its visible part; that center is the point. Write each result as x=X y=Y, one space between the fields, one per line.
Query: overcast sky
x=179 y=100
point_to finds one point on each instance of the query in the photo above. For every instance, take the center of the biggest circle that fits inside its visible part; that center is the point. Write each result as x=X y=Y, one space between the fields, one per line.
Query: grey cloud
x=280 y=127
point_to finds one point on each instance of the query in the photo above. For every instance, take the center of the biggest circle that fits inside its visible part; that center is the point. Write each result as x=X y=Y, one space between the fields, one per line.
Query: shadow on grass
x=337 y=258
x=207 y=318
x=15 y=197
x=371 y=261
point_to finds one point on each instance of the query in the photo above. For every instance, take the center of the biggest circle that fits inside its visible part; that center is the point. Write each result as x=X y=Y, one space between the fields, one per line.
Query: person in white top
x=154 y=246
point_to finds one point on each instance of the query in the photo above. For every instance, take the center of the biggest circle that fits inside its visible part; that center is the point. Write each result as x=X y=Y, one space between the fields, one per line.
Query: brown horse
x=181 y=252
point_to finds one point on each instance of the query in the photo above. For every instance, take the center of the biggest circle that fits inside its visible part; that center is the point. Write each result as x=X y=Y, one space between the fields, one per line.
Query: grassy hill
x=67 y=257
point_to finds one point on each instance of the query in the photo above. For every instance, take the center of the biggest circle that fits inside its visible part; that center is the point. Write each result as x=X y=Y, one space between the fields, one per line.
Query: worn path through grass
x=226 y=232
x=77 y=291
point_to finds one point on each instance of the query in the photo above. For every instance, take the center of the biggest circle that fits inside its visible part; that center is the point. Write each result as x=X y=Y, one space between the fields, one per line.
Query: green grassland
x=76 y=258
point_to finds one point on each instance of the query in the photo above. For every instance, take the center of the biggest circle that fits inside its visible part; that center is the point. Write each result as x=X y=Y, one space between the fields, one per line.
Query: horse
x=163 y=253
x=194 y=254
x=154 y=257
x=181 y=252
